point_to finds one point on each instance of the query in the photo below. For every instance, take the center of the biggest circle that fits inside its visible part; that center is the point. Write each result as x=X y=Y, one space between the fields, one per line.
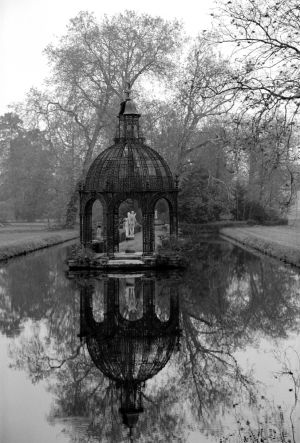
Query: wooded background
x=222 y=108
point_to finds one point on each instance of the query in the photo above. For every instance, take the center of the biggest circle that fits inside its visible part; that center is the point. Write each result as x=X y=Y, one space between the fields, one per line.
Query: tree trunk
x=72 y=207
x=73 y=201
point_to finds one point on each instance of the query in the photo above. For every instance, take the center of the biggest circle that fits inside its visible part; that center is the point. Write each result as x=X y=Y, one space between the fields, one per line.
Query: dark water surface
x=212 y=355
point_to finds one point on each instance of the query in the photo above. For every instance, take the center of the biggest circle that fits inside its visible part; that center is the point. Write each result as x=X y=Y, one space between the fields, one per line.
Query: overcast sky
x=27 y=26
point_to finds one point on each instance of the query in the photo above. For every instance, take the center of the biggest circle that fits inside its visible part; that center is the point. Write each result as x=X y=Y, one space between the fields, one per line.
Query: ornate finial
x=127 y=91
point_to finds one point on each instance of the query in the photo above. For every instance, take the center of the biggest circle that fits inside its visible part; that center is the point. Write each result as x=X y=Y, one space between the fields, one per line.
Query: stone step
x=124 y=262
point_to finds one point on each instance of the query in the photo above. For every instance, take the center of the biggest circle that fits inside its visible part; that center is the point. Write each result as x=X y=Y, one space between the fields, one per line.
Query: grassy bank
x=212 y=228
x=17 y=241
x=281 y=242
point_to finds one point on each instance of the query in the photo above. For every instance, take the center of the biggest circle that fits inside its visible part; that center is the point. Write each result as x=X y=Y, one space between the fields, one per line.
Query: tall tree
x=28 y=175
x=198 y=94
x=26 y=169
x=202 y=94
x=91 y=65
x=266 y=39
x=11 y=126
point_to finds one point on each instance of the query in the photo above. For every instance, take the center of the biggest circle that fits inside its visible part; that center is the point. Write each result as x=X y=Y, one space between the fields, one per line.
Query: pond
x=208 y=355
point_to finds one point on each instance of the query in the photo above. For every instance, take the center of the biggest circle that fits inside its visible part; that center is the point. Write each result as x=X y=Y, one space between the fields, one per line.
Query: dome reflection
x=131 y=344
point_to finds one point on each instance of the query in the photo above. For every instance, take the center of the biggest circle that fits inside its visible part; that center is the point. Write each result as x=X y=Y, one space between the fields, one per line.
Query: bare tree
x=202 y=93
x=91 y=65
x=266 y=41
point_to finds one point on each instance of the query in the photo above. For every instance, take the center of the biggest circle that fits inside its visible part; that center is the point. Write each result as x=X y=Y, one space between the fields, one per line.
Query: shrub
x=6 y=211
x=200 y=200
x=253 y=211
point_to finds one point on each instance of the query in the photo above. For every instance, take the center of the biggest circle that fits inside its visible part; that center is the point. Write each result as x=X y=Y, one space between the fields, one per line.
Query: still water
x=209 y=355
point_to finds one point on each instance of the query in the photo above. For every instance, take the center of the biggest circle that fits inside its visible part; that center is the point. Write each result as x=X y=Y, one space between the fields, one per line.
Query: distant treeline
x=227 y=125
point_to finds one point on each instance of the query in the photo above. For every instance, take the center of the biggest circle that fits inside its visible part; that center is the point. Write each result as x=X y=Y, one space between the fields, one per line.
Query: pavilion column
x=116 y=228
x=111 y=302
x=81 y=216
x=110 y=233
x=148 y=296
x=173 y=219
x=175 y=215
x=81 y=226
x=104 y=230
x=148 y=233
x=87 y=225
x=87 y=321
x=112 y=230
x=173 y=224
x=174 y=306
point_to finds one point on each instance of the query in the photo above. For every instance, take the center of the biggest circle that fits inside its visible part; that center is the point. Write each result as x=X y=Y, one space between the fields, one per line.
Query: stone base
x=126 y=261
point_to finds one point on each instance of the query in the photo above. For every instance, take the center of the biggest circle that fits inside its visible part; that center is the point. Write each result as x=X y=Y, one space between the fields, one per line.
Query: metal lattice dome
x=129 y=166
x=129 y=169
x=129 y=352
x=127 y=357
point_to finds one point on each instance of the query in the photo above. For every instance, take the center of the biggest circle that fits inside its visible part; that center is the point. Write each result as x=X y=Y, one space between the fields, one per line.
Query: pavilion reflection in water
x=130 y=344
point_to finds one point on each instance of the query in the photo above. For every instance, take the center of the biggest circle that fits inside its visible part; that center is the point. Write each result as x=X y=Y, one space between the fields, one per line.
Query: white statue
x=131 y=216
x=99 y=233
x=155 y=214
x=130 y=299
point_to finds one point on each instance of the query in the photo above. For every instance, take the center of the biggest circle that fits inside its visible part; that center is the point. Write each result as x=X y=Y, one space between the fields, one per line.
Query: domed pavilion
x=129 y=351
x=129 y=169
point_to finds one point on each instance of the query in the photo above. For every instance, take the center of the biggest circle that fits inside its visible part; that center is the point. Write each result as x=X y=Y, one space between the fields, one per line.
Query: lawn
x=20 y=238
x=282 y=242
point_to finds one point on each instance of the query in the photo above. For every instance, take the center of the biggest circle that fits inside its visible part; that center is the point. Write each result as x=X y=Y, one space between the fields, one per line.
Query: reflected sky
x=208 y=355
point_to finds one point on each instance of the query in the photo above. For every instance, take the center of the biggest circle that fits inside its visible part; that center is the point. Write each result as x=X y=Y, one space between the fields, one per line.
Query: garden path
x=137 y=243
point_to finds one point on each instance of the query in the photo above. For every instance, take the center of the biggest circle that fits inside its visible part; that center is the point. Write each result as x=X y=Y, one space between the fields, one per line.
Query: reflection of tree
x=269 y=421
x=241 y=293
x=32 y=288
x=81 y=389
x=129 y=350
x=100 y=402
x=213 y=369
x=9 y=319
x=291 y=370
x=228 y=298
x=76 y=386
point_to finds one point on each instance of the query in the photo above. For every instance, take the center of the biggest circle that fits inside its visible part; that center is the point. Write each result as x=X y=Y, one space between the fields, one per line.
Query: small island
x=128 y=180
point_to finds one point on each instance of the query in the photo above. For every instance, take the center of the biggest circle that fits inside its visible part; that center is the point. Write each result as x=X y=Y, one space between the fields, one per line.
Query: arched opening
x=161 y=221
x=98 y=227
x=98 y=301
x=162 y=301
x=130 y=227
x=130 y=298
